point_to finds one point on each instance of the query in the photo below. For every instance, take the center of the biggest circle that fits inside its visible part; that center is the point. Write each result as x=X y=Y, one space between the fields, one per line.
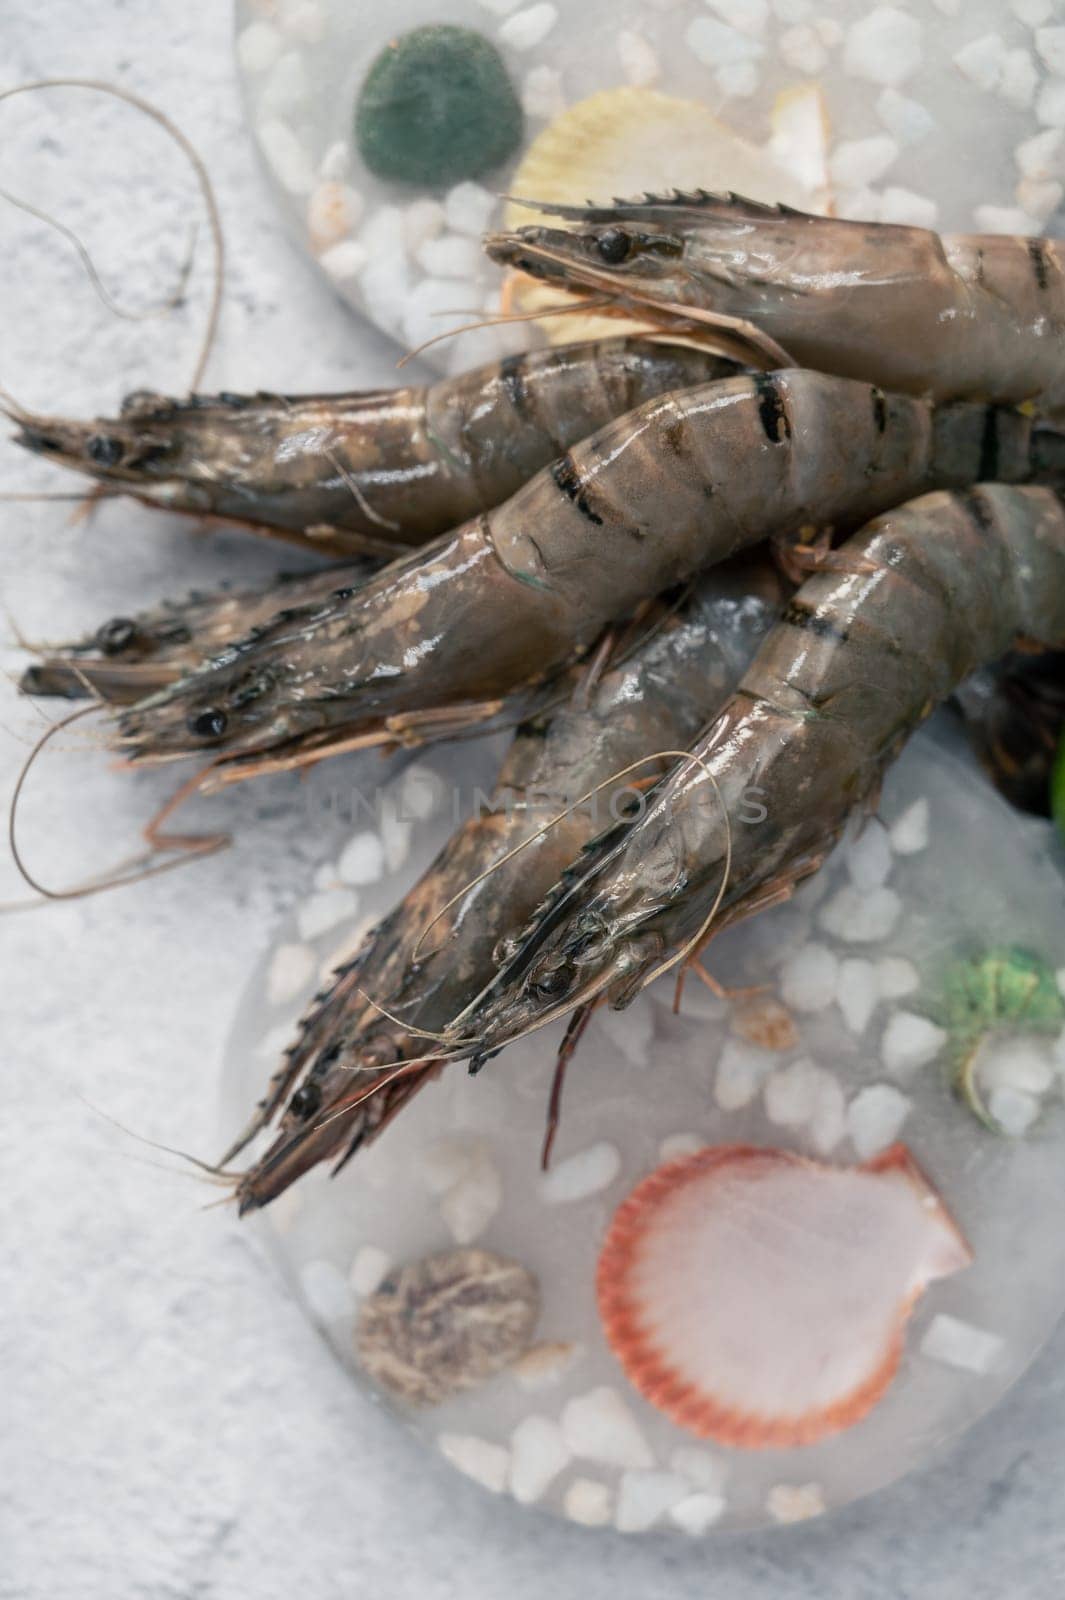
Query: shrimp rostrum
x=963 y=316
x=913 y=603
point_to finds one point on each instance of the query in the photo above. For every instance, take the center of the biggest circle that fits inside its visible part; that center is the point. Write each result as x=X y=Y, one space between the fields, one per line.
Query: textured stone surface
x=170 y=1425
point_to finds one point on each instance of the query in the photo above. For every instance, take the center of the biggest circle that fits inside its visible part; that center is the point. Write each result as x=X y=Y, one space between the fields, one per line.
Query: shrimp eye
x=116 y=635
x=615 y=245
x=210 y=723
x=104 y=450
x=305 y=1101
x=554 y=982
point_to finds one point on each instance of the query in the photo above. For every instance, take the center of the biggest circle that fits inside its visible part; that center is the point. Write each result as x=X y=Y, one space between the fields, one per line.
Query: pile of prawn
x=691 y=572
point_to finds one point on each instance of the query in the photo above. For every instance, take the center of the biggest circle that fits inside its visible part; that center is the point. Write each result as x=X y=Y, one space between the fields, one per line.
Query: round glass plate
x=857 y=959
x=926 y=114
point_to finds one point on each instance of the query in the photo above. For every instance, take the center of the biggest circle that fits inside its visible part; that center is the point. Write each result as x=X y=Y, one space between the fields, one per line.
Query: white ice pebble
x=422 y=220
x=739 y=80
x=362 y=859
x=639 y=59
x=344 y=261
x=885 y=46
x=829 y=1121
x=1003 y=219
x=1041 y=155
x=631 y=1031
x=868 y=856
x=801 y=48
x=285 y=156
x=1050 y=104
x=333 y=212
x=910 y=209
x=434 y=306
x=325 y=910
x=326 y=1292
x=488 y=1464
x=645 y=1497
x=896 y=977
x=861 y=917
x=303 y=20
x=696 y=1513
x=1019 y=79
x=678 y=1145
x=791 y=1094
x=291 y=968
x=741 y=1070
x=599 y=1426
x=795 y=1502
x=1013 y=1110
x=1050 y=42
x=470 y=1204
x=368 y=1268
x=808 y=978
x=1033 y=13
x=453 y=255
x=541 y=93
x=587 y=1502
x=258 y=47
x=747 y=16
x=961 y=1344
x=526 y=29
x=581 y=1175
x=857 y=993
x=910 y=1041
x=286 y=86
x=538 y=1453
x=981 y=60
x=1039 y=199
x=907 y=120
x=875 y=1117
x=716 y=44
x=856 y=162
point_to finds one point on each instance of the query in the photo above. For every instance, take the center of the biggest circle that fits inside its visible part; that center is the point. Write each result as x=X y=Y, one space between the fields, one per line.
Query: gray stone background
x=170 y=1426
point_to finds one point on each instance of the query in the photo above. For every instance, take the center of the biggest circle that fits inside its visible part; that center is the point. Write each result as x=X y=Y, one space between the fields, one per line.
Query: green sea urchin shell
x=437 y=106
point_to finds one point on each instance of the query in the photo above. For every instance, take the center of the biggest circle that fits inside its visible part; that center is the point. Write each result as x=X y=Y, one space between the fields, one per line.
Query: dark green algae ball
x=437 y=106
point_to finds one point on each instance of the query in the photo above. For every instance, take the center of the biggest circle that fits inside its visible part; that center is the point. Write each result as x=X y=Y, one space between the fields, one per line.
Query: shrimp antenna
x=567 y=310
x=214 y=218
x=217 y=1173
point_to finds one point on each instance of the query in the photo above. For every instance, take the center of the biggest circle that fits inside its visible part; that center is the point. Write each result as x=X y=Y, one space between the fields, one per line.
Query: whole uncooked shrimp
x=347 y=1049
x=963 y=316
x=914 y=602
x=369 y=473
x=682 y=482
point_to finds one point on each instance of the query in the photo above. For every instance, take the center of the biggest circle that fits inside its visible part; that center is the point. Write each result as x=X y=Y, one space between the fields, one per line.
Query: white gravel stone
x=368 y=1269
x=587 y=1502
x=739 y=80
x=1041 y=155
x=488 y=1464
x=861 y=917
x=258 y=47
x=747 y=16
x=395 y=839
x=538 y=1453
x=701 y=1468
x=791 y=1094
x=1039 y=199
x=303 y=20
x=875 y=1117
x=453 y=255
x=678 y=1145
x=581 y=1175
x=285 y=156
x=981 y=60
x=630 y=1031
x=500 y=8
x=808 y=978
x=910 y=209
x=1025 y=1064
x=1050 y=42
x=275 y=1039
x=716 y=44
x=326 y=1292
x=286 y=88
x=362 y=859
x=470 y=1204
x=599 y=1426
x=907 y=120
x=829 y=1121
x=895 y=977
x=1033 y=13
x=961 y=1344
x=545 y=1363
x=855 y=162
x=542 y=94
x=291 y=969
x=344 y=261
x=325 y=910
x=422 y=793
x=885 y=46
x=858 y=205
x=1003 y=219
x=333 y=212
x=857 y=993
x=385 y=280
x=1050 y=103
x=639 y=59
x=526 y=29
x=1013 y=1110
x=696 y=1513
x=742 y=1068
x=1020 y=78
x=801 y=48
x=645 y=1497
x=909 y=832
x=868 y=856
x=795 y=1502
x=910 y=1041
x=432 y=307
x=422 y=220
